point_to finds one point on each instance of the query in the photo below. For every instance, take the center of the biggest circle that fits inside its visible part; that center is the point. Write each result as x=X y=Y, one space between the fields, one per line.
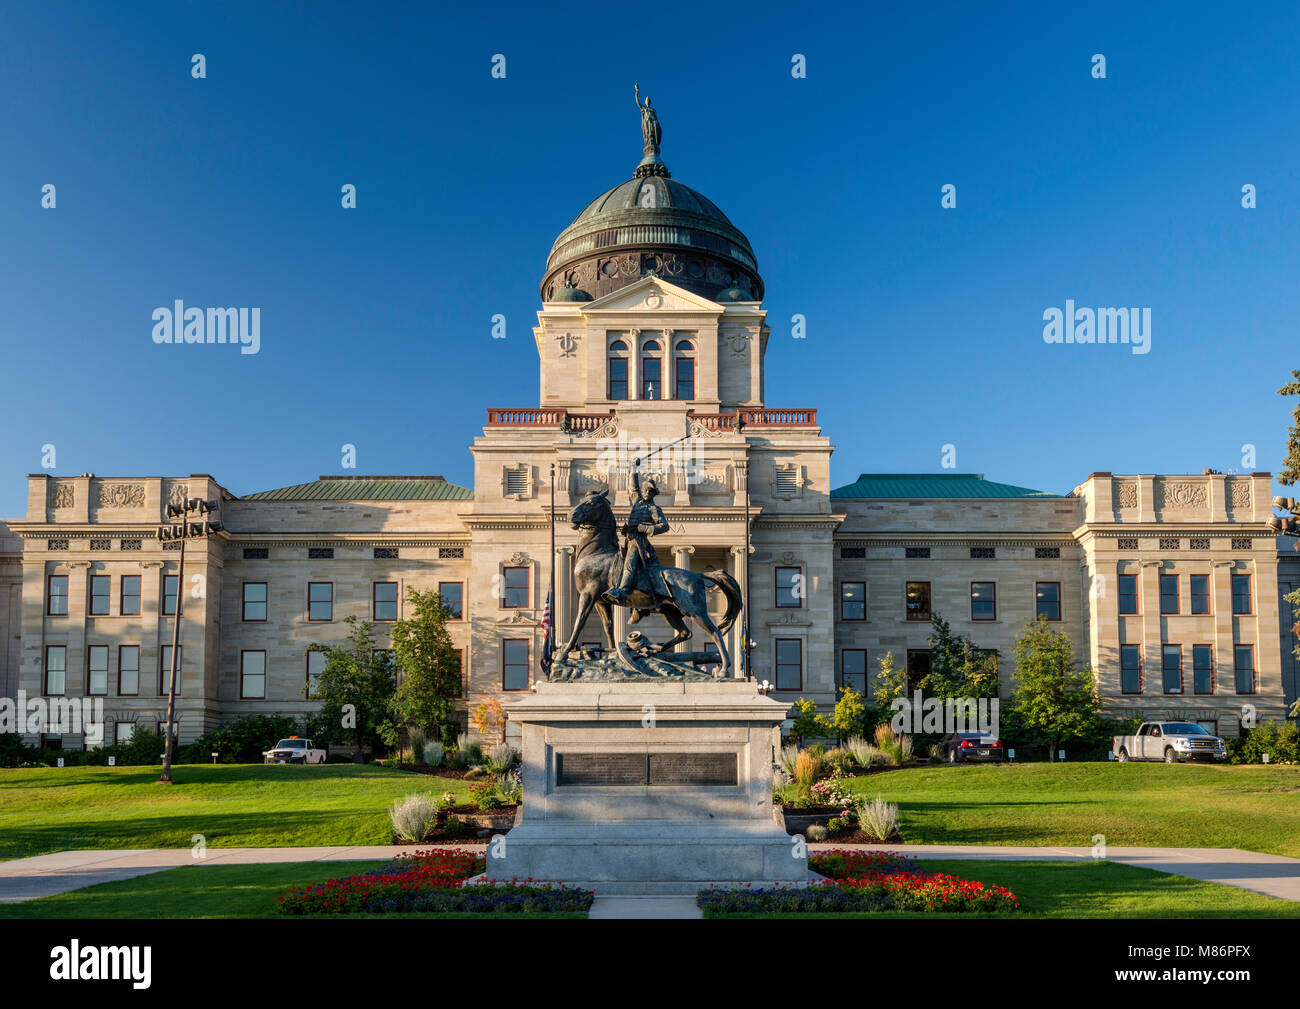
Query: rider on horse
x=640 y=562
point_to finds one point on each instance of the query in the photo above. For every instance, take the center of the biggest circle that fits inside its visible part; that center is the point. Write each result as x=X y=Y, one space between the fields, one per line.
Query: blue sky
x=924 y=324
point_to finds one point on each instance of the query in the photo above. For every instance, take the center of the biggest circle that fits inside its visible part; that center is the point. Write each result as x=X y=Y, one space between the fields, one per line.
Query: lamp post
x=180 y=530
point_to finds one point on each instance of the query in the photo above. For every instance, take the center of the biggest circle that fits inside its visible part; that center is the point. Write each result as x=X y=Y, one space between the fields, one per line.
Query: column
x=562 y=618
x=740 y=571
x=682 y=559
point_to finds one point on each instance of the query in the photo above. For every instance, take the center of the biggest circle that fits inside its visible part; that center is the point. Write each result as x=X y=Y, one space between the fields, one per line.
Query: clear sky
x=924 y=325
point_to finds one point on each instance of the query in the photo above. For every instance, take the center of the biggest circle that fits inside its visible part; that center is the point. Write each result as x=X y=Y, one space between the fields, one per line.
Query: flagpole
x=551 y=600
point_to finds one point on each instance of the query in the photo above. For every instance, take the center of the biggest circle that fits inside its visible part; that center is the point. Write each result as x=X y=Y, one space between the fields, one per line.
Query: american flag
x=548 y=643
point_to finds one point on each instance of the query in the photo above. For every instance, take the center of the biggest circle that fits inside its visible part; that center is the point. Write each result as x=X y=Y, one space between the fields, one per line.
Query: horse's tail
x=735 y=601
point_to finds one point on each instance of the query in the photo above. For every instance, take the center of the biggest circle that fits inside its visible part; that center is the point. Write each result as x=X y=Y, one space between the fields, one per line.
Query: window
x=711 y=649
x=384 y=600
x=161 y=725
x=853 y=553
x=56 y=596
x=1241 y=594
x=1130 y=669
x=684 y=371
x=169 y=596
x=517 y=481
x=1048 y=600
x=320 y=553
x=123 y=731
x=256 y=553
x=130 y=601
x=514 y=664
x=853 y=669
x=853 y=601
x=460 y=671
x=254 y=600
x=1200 y=586
x=916 y=553
x=385 y=553
x=100 y=589
x=320 y=601
x=452 y=594
x=1169 y=594
x=918 y=667
x=983 y=553
x=315 y=666
x=1128 y=595
x=617 y=370
x=1243 y=661
x=1172 y=668
x=97 y=669
x=918 y=600
x=128 y=670
x=514 y=588
x=983 y=601
x=789 y=588
x=56 y=669
x=165 y=670
x=1168 y=542
x=1126 y=543
x=651 y=371
x=1043 y=553
x=1202 y=669
x=252 y=674
x=789 y=664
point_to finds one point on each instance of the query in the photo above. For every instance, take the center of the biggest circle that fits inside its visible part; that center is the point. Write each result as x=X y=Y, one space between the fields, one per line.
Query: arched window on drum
x=684 y=370
x=652 y=365
x=618 y=370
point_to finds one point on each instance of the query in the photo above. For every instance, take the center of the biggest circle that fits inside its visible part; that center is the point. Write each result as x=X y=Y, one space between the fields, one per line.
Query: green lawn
x=1093 y=890
x=231 y=805
x=1163 y=805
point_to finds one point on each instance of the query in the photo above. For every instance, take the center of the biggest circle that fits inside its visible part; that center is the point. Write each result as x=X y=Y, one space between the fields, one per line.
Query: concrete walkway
x=44 y=875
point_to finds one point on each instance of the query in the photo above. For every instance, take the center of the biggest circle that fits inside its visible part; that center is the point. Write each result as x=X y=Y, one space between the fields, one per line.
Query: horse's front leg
x=585 y=602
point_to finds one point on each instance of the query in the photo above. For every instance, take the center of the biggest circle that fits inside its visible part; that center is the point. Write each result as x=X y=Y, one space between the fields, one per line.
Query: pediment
x=653 y=294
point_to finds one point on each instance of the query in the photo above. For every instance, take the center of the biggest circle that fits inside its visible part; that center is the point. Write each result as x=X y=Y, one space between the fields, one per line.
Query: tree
x=488 y=717
x=957 y=667
x=357 y=687
x=849 y=717
x=1049 y=693
x=1291 y=465
x=430 y=667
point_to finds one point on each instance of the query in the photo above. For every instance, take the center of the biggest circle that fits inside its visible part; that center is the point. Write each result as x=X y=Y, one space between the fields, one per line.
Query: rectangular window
x=1128 y=595
x=315 y=666
x=97 y=669
x=384 y=601
x=918 y=667
x=789 y=588
x=123 y=731
x=56 y=596
x=789 y=664
x=460 y=666
x=853 y=601
x=618 y=378
x=651 y=378
x=983 y=601
x=100 y=590
x=320 y=601
x=252 y=674
x=1172 y=668
x=1243 y=657
x=1241 y=594
x=254 y=600
x=130 y=601
x=165 y=670
x=453 y=597
x=918 y=600
x=853 y=669
x=685 y=378
x=56 y=670
x=1048 y=600
x=514 y=664
x=514 y=588
x=1200 y=590
x=1130 y=669
x=128 y=670
x=1202 y=669
x=169 y=596
x=1169 y=594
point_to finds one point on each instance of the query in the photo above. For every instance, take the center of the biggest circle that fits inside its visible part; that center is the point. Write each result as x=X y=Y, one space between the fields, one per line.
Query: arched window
x=684 y=370
x=618 y=370
x=652 y=386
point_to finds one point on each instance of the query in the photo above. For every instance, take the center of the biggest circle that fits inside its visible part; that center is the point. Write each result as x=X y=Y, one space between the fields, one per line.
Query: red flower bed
x=905 y=887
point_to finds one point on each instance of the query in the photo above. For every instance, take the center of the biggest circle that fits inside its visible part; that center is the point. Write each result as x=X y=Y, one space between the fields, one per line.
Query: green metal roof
x=932 y=485
x=368 y=488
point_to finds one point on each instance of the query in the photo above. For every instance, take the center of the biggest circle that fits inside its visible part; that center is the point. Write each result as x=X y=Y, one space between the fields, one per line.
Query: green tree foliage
x=957 y=667
x=356 y=688
x=1291 y=465
x=1050 y=694
x=430 y=665
x=808 y=724
x=850 y=715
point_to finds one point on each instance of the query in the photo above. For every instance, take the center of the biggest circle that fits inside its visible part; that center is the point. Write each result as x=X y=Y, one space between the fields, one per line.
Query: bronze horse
x=598 y=565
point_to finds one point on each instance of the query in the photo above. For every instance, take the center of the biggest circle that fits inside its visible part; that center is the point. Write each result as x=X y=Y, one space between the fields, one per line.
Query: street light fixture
x=179 y=531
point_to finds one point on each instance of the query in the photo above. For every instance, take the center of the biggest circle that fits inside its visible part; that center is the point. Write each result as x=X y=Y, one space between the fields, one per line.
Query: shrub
x=454 y=827
x=12 y=750
x=878 y=818
x=501 y=758
x=816 y=832
x=413 y=817
x=807 y=723
x=805 y=771
x=896 y=746
x=240 y=741
x=417 y=746
x=839 y=824
x=453 y=759
x=485 y=796
x=511 y=787
x=1280 y=740
x=839 y=760
x=786 y=759
x=863 y=753
x=473 y=753
x=433 y=752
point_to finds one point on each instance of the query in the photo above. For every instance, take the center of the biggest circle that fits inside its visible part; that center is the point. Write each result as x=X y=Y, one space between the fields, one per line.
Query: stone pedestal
x=636 y=787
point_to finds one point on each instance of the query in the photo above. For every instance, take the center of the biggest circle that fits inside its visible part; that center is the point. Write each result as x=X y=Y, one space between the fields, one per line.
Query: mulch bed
x=441 y=772
x=860 y=837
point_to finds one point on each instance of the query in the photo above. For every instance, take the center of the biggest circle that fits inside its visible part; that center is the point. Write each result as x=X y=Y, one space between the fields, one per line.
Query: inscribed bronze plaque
x=647 y=769
x=694 y=769
x=600 y=769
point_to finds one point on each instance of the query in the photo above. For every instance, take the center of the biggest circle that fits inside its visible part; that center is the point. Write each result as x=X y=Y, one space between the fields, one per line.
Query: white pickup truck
x=294 y=750
x=1171 y=742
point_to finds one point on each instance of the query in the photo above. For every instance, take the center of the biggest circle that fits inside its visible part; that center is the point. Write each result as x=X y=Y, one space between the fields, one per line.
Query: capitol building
x=650 y=342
